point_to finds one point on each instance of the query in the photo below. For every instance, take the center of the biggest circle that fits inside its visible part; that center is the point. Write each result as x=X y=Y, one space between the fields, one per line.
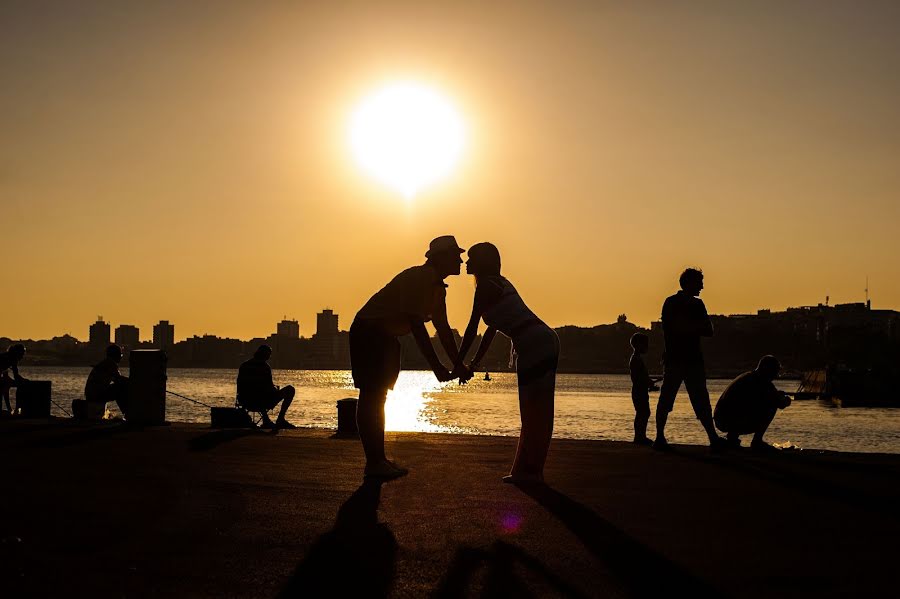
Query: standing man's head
x=17 y=351
x=484 y=260
x=691 y=281
x=443 y=254
x=769 y=367
x=263 y=352
x=114 y=353
x=639 y=343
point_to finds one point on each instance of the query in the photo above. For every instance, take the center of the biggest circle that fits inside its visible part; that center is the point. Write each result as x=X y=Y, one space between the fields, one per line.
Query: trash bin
x=147 y=387
x=346 y=409
x=33 y=399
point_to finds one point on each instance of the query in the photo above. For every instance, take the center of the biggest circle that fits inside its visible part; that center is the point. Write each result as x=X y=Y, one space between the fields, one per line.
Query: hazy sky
x=189 y=160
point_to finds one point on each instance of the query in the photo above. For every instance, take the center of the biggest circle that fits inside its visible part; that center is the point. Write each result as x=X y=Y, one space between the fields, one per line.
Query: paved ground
x=188 y=511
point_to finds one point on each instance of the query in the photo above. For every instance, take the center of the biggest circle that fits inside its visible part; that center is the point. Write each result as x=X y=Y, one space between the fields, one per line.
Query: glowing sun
x=407 y=136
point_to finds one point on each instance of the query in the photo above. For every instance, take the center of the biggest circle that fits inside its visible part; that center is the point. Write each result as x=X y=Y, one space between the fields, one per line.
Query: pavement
x=106 y=510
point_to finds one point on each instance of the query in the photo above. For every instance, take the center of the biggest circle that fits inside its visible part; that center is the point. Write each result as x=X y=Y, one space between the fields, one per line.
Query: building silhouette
x=128 y=336
x=330 y=348
x=163 y=335
x=98 y=335
x=288 y=329
x=326 y=323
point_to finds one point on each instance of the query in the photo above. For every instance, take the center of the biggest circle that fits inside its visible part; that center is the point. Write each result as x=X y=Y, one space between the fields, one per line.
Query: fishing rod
x=65 y=411
x=189 y=399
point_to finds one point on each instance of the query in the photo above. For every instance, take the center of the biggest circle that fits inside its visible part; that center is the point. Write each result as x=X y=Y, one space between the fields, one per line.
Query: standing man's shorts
x=694 y=378
x=374 y=356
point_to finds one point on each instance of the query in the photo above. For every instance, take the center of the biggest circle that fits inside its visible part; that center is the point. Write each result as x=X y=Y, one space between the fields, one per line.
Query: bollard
x=147 y=387
x=33 y=399
x=346 y=409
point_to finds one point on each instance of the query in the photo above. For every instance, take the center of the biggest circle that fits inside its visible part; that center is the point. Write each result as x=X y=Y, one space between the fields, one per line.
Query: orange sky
x=190 y=163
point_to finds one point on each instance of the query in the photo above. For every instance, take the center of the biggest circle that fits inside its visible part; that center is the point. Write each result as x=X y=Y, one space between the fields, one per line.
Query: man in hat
x=9 y=360
x=749 y=404
x=412 y=298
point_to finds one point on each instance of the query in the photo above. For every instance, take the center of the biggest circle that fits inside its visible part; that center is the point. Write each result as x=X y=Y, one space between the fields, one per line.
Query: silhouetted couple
x=418 y=295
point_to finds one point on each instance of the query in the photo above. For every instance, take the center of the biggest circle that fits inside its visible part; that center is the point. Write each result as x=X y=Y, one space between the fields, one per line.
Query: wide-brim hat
x=443 y=244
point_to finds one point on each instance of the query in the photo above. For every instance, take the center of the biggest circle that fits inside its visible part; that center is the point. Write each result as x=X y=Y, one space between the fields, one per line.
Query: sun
x=407 y=135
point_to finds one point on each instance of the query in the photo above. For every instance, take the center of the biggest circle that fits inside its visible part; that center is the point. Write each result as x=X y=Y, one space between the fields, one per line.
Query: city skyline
x=328 y=321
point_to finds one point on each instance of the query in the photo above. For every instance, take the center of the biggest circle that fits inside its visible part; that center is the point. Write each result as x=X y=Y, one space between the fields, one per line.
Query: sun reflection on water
x=407 y=404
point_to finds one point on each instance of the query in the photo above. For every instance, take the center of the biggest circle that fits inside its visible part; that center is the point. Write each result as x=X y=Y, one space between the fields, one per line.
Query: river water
x=588 y=406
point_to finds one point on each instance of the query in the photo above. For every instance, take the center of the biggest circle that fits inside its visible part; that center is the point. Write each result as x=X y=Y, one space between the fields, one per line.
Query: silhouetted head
x=484 y=260
x=17 y=351
x=769 y=367
x=114 y=352
x=691 y=280
x=640 y=342
x=263 y=352
x=443 y=254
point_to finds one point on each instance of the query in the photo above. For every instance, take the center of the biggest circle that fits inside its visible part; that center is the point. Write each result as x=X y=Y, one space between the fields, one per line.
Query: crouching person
x=256 y=392
x=105 y=384
x=749 y=403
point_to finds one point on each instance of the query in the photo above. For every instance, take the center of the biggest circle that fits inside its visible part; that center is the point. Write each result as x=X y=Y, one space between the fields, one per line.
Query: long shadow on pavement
x=640 y=570
x=500 y=579
x=356 y=558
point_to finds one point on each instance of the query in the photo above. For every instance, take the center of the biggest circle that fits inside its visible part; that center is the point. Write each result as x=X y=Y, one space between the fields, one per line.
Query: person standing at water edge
x=537 y=349
x=749 y=404
x=412 y=298
x=257 y=392
x=9 y=360
x=685 y=321
x=641 y=386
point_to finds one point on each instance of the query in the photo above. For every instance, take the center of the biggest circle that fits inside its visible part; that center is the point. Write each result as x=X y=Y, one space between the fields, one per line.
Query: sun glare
x=407 y=136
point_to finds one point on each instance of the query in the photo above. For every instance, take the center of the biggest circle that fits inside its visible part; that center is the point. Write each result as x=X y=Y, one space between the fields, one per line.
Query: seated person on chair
x=256 y=392
x=749 y=403
x=105 y=384
x=9 y=360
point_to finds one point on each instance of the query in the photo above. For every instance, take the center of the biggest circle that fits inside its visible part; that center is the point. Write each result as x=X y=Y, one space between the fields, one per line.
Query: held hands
x=464 y=374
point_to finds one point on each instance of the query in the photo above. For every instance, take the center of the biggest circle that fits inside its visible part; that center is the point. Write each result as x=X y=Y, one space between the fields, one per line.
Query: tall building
x=326 y=323
x=99 y=333
x=128 y=336
x=163 y=335
x=288 y=329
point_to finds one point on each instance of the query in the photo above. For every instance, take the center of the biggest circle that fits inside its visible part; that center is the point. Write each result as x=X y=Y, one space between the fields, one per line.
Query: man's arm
x=16 y=376
x=424 y=343
x=442 y=326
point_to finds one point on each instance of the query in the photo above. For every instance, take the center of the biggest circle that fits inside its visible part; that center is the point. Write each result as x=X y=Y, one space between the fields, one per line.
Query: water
x=588 y=406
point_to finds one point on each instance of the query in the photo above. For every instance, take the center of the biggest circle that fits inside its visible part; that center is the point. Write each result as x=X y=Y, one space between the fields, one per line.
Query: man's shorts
x=693 y=375
x=374 y=356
